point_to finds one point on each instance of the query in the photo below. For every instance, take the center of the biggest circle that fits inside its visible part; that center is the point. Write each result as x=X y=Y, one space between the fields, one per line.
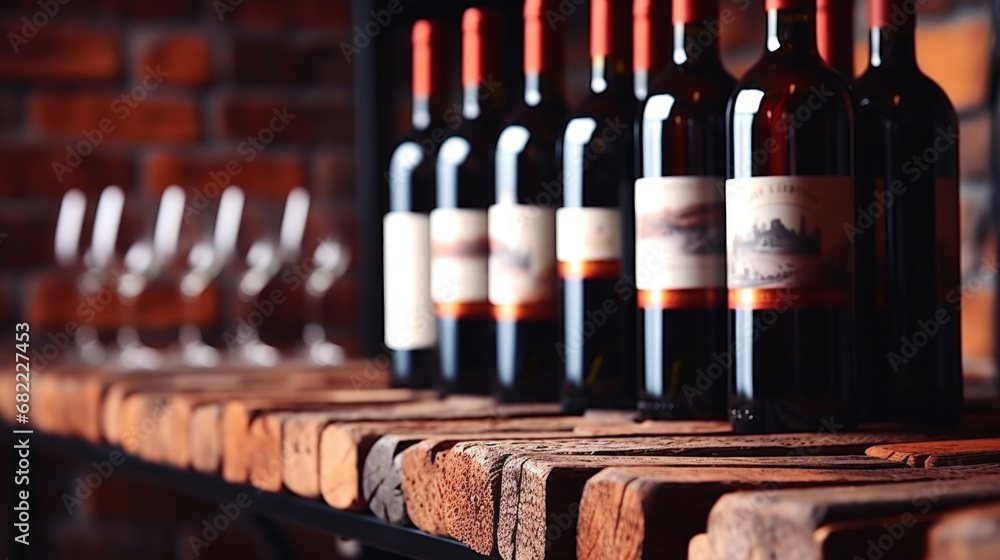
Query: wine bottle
x=789 y=197
x=835 y=34
x=459 y=242
x=907 y=223
x=596 y=225
x=410 y=329
x=652 y=43
x=523 y=285
x=681 y=227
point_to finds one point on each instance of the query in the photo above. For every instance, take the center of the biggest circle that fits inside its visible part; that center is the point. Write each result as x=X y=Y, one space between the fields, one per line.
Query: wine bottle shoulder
x=904 y=95
x=705 y=94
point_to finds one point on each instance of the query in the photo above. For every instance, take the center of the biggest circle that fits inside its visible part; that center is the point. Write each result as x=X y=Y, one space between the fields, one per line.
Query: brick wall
x=145 y=94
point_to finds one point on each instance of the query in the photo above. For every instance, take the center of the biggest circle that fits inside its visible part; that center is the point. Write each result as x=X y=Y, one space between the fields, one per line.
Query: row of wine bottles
x=780 y=250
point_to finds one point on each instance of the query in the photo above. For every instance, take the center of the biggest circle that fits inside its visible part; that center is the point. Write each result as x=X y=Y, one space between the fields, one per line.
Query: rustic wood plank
x=781 y=523
x=654 y=427
x=541 y=495
x=301 y=467
x=897 y=537
x=105 y=392
x=472 y=471
x=941 y=453
x=971 y=533
x=698 y=548
x=207 y=433
x=383 y=468
x=345 y=448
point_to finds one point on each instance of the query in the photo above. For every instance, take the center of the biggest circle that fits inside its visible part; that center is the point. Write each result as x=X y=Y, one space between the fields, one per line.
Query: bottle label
x=409 y=316
x=589 y=242
x=787 y=242
x=459 y=250
x=680 y=244
x=522 y=262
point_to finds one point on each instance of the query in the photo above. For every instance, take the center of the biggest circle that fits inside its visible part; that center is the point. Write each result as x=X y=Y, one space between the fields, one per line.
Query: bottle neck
x=541 y=87
x=609 y=74
x=690 y=52
x=428 y=110
x=792 y=31
x=894 y=46
x=483 y=99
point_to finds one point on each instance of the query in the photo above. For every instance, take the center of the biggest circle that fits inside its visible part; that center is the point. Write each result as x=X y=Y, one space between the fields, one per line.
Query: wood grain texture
x=971 y=533
x=941 y=453
x=301 y=467
x=106 y=391
x=541 y=494
x=472 y=481
x=896 y=537
x=211 y=428
x=345 y=448
x=780 y=523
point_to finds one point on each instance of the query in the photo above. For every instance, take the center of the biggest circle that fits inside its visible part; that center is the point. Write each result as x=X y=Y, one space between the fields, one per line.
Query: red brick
x=270 y=174
x=28 y=232
x=742 y=28
x=326 y=118
x=285 y=13
x=334 y=173
x=125 y=116
x=52 y=301
x=308 y=62
x=61 y=53
x=186 y=56
x=44 y=171
x=117 y=8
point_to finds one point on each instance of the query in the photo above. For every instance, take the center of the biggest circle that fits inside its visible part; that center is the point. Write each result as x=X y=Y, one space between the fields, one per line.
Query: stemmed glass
x=145 y=260
x=329 y=263
x=205 y=262
x=98 y=261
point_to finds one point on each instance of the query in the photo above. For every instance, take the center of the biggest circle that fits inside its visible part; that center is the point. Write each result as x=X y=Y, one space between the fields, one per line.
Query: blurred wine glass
x=98 y=261
x=330 y=260
x=144 y=261
x=205 y=262
x=68 y=234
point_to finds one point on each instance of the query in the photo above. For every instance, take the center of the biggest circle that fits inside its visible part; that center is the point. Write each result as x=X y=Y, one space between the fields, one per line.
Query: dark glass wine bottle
x=459 y=241
x=835 y=34
x=410 y=330
x=681 y=227
x=523 y=286
x=907 y=223
x=652 y=43
x=789 y=196
x=596 y=224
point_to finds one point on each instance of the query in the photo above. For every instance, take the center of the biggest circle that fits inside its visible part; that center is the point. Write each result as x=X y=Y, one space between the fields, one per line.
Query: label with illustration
x=459 y=251
x=680 y=244
x=409 y=316
x=786 y=241
x=589 y=242
x=522 y=262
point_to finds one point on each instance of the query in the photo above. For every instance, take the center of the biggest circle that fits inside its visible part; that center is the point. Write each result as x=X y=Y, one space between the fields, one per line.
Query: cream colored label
x=588 y=234
x=680 y=227
x=459 y=251
x=409 y=316
x=788 y=231
x=522 y=267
